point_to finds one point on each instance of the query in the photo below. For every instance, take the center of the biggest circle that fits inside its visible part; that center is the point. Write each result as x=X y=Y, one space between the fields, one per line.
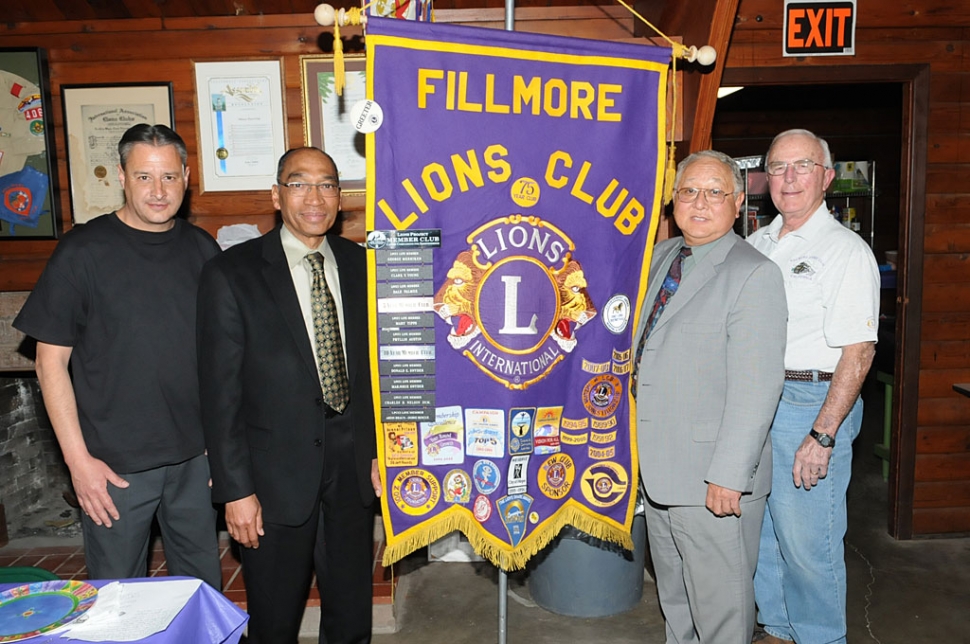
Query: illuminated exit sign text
x=814 y=28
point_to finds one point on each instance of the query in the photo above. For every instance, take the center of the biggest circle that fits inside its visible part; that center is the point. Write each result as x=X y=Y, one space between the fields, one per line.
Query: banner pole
x=503 y=577
x=503 y=606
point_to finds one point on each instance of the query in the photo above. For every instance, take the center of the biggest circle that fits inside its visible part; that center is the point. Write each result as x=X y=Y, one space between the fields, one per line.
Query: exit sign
x=814 y=28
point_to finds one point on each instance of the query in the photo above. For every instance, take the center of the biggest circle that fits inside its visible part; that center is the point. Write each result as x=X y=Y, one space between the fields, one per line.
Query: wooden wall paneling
x=945 y=354
x=948 y=208
x=949 y=147
x=768 y=14
x=947 y=325
x=944 y=440
x=941 y=521
x=943 y=177
x=933 y=412
x=947 y=238
x=949 y=296
x=938 y=383
x=942 y=494
x=943 y=56
x=947 y=268
x=46 y=28
x=943 y=467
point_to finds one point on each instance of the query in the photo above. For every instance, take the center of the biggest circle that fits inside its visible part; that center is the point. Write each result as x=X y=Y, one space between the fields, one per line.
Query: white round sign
x=366 y=116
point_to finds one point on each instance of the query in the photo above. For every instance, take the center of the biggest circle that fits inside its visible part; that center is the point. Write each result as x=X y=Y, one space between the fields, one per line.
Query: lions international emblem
x=515 y=299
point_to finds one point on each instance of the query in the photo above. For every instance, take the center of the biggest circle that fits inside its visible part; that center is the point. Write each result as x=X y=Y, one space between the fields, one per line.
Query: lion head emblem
x=576 y=309
x=455 y=300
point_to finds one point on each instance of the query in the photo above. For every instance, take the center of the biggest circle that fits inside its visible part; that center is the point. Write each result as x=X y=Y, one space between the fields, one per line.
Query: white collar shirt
x=832 y=285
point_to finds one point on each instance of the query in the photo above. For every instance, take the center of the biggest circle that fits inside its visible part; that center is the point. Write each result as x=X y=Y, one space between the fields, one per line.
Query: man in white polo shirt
x=832 y=287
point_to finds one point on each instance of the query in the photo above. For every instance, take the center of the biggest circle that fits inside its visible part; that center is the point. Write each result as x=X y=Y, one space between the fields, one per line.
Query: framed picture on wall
x=327 y=123
x=28 y=177
x=241 y=123
x=95 y=118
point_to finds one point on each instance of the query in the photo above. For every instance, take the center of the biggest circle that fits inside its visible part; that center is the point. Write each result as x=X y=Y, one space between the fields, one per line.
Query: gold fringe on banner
x=499 y=553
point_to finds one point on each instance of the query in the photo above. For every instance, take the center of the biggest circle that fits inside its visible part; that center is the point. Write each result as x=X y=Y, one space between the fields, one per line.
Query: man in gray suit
x=708 y=374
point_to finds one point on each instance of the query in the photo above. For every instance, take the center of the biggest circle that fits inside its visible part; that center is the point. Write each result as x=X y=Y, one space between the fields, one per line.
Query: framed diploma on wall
x=28 y=170
x=241 y=123
x=95 y=118
x=327 y=123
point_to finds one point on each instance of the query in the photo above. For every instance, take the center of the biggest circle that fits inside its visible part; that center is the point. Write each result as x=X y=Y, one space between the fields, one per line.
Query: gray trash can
x=571 y=577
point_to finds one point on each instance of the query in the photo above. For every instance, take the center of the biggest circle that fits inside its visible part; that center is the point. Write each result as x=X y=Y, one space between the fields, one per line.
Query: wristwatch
x=823 y=439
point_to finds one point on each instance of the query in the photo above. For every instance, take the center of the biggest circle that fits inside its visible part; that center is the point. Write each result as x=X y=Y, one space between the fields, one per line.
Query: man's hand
x=811 y=463
x=90 y=477
x=721 y=501
x=244 y=518
x=375 y=477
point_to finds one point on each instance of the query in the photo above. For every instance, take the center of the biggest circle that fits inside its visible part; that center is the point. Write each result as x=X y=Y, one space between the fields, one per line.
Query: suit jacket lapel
x=277 y=275
x=653 y=287
x=696 y=279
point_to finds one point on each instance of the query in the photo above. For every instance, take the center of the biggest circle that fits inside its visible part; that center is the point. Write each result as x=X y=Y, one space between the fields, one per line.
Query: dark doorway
x=875 y=115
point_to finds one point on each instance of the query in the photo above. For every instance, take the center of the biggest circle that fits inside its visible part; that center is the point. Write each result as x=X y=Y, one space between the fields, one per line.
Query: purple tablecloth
x=208 y=617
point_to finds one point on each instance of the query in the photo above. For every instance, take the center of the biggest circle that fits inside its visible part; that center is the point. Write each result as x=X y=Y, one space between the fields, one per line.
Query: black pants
x=337 y=542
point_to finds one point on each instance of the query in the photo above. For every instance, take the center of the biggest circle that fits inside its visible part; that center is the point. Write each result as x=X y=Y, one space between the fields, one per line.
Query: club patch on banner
x=512 y=201
x=547 y=430
x=485 y=432
x=415 y=491
x=520 y=430
x=509 y=260
x=556 y=476
x=401 y=444
x=514 y=510
x=604 y=484
x=482 y=509
x=487 y=476
x=458 y=487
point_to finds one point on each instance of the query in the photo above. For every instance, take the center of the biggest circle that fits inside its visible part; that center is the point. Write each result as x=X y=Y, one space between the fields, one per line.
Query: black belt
x=808 y=376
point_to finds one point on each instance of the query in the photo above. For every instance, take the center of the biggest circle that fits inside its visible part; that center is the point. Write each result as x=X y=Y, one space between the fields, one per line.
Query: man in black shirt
x=116 y=303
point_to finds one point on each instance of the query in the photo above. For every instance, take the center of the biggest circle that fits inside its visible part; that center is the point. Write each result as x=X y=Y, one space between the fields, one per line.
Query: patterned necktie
x=326 y=332
x=667 y=290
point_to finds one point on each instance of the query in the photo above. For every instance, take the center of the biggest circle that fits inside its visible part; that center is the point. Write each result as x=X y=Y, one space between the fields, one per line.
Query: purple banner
x=512 y=182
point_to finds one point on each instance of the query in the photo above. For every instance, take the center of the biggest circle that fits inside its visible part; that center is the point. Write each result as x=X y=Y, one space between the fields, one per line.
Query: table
x=962 y=388
x=207 y=617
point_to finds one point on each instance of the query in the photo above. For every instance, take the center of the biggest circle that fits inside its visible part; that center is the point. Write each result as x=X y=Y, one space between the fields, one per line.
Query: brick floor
x=67 y=562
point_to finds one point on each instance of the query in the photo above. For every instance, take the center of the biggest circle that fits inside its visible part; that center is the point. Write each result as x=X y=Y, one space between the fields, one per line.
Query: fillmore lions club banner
x=512 y=183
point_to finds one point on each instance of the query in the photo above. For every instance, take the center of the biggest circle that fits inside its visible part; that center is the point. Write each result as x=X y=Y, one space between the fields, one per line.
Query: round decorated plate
x=32 y=609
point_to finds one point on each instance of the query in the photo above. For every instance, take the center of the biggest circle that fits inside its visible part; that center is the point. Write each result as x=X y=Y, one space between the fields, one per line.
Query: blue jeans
x=799 y=584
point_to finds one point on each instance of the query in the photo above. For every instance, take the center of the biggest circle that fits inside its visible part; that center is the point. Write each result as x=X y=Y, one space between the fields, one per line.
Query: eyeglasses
x=802 y=166
x=714 y=196
x=326 y=188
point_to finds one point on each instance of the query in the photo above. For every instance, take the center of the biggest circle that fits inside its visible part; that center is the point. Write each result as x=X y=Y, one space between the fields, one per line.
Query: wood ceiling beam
x=699 y=22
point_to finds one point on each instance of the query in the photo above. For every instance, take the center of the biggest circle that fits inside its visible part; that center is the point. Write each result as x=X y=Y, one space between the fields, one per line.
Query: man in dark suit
x=287 y=409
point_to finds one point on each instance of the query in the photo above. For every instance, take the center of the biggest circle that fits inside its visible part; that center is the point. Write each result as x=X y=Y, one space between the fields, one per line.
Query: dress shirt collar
x=810 y=229
x=295 y=250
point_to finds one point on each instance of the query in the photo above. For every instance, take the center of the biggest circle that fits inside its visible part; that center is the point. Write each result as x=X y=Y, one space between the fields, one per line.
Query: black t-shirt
x=125 y=300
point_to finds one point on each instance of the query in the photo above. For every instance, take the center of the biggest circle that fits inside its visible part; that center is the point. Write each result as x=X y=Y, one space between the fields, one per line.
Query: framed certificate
x=326 y=116
x=241 y=123
x=95 y=118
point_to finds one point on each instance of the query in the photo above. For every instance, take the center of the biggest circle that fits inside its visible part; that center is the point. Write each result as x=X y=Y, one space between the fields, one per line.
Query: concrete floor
x=899 y=592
